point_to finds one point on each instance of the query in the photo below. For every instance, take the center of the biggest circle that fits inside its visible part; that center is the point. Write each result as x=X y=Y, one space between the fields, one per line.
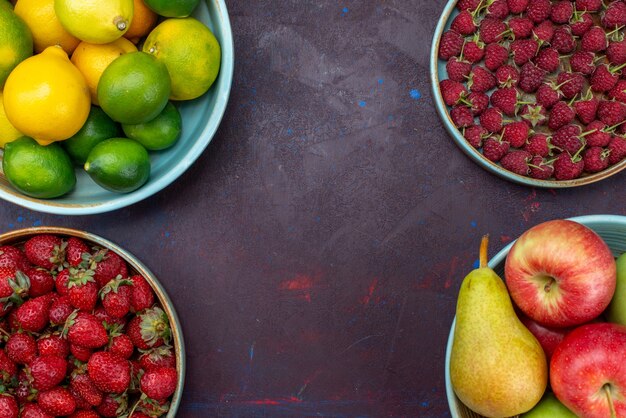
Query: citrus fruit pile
x=83 y=336
x=91 y=84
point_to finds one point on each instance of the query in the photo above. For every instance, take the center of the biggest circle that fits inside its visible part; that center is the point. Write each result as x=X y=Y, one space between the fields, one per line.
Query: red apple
x=549 y=338
x=588 y=373
x=560 y=273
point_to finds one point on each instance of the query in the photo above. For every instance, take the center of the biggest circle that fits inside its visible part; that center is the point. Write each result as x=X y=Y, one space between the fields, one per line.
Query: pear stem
x=482 y=255
x=607 y=391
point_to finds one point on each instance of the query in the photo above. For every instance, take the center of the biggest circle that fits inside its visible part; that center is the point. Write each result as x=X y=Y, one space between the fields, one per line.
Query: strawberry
x=491 y=120
x=603 y=79
x=82 y=384
x=159 y=383
x=568 y=167
x=544 y=32
x=8 y=406
x=461 y=117
x=618 y=92
x=76 y=251
x=21 y=348
x=116 y=294
x=571 y=84
x=523 y=50
x=158 y=357
x=617 y=148
x=611 y=112
x=122 y=345
x=464 y=23
x=32 y=410
x=520 y=27
x=139 y=415
x=538 y=144
x=14 y=285
x=149 y=329
x=478 y=103
x=560 y=115
x=614 y=16
x=82 y=289
x=498 y=9
x=517 y=162
x=540 y=169
x=548 y=94
x=568 y=138
x=453 y=93
x=474 y=135
x=589 y=5
x=580 y=23
x=113 y=406
x=41 y=282
x=109 y=372
x=91 y=414
x=491 y=30
x=53 y=345
x=33 y=315
x=507 y=76
x=106 y=319
x=450 y=45
x=495 y=56
x=62 y=281
x=534 y=115
x=47 y=251
x=563 y=40
x=458 y=70
x=47 y=372
x=586 y=110
x=531 y=77
x=85 y=330
x=516 y=134
x=582 y=62
x=108 y=265
x=473 y=51
x=561 y=11
x=142 y=295
x=594 y=40
x=538 y=10
x=597 y=136
x=548 y=59
x=24 y=390
x=517 y=6
x=616 y=52
x=153 y=407
x=494 y=149
x=596 y=159
x=13 y=258
x=8 y=369
x=60 y=310
x=56 y=402
x=81 y=353
x=481 y=80
x=470 y=5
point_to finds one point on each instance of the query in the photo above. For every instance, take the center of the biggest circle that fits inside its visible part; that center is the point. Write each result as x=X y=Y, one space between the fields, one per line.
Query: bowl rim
x=19 y=235
x=587 y=220
x=471 y=152
x=223 y=85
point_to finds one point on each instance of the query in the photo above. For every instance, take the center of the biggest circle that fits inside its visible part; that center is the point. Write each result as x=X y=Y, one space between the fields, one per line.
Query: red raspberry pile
x=539 y=86
x=82 y=338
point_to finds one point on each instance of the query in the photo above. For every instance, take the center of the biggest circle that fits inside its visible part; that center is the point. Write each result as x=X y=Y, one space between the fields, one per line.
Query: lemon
x=134 y=88
x=190 y=52
x=120 y=165
x=98 y=127
x=40 y=17
x=95 y=21
x=46 y=97
x=93 y=59
x=143 y=21
x=8 y=133
x=38 y=171
x=16 y=41
x=169 y=8
x=160 y=133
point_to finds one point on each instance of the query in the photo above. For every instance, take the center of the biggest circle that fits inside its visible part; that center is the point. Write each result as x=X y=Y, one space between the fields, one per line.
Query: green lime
x=16 y=41
x=134 y=88
x=160 y=133
x=119 y=164
x=38 y=171
x=98 y=127
x=169 y=8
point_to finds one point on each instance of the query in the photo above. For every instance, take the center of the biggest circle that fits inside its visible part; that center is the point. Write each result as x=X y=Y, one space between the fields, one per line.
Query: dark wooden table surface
x=315 y=250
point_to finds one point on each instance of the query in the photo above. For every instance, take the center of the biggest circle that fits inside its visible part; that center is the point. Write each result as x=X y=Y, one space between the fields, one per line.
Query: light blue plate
x=612 y=229
x=438 y=72
x=201 y=118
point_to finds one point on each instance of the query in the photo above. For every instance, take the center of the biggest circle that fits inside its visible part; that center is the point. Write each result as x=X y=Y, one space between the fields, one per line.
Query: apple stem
x=607 y=390
x=482 y=255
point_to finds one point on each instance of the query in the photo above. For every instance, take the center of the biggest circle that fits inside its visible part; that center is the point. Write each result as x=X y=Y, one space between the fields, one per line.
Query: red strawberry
x=33 y=315
x=596 y=159
x=85 y=330
x=616 y=52
x=571 y=84
x=538 y=144
x=62 y=281
x=109 y=372
x=568 y=138
x=496 y=56
x=149 y=329
x=159 y=383
x=158 y=357
x=113 y=406
x=582 y=62
x=116 y=294
x=474 y=51
x=461 y=117
x=611 y=112
x=53 y=345
x=603 y=79
x=82 y=384
x=458 y=70
x=617 y=147
x=24 y=390
x=517 y=6
x=106 y=319
x=122 y=345
x=491 y=30
x=540 y=169
x=41 y=282
x=481 y=80
x=152 y=407
x=13 y=258
x=8 y=369
x=47 y=251
x=76 y=252
x=594 y=40
x=506 y=100
x=589 y=5
x=47 y=372
x=507 y=76
x=586 y=110
x=531 y=77
x=544 y=32
x=142 y=295
x=548 y=94
x=108 y=265
x=8 y=406
x=453 y=93
x=548 y=59
x=464 y=23
x=60 y=310
x=516 y=162
x=618 y=92
x=560 y=115
x=21 y=348
x=81 y=353
x=475 y=135
x=568 y=167
x=521 y=27
x=14 y=285
x=56 y=402
x=92 y=414
x=563 y=40
x=597 y=136
x=581 y=22
x=478 y=102
x=32 y=410
x=494 y=149
x=82 y=289
x=498 y=9
x=538 y=10
x=561 y=12
x=534 y=115
x=516 y=134
x=491 y=120
x=450 y=45
x=614 y=16
x=523 y=50
x=470 y=5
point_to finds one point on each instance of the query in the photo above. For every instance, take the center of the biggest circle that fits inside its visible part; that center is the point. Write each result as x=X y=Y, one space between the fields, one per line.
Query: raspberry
x=618 y=92
x=563 y=40
x=470 y=5
x=544 y=32
x=596 y=134
x=596 y=159
x=560 y=115
x=491 y=120
x=538 y=10
x=534 y=115
x=538 y=144
x=498 y=10
x=458 y=70
x=453 y=92
x=475 y=135
x=495 y=56
x=505 y=99
x=474 y=51
x=561 y=11
x=521 y=27
x=581 y=22
x=491 y=30
x=516 y=134
x=523 y=50
x=461 y=116
x=586 y=110
x=531 y=77
x=614 y=16
x=571 y=84
x=540 y=169
x=478 y=102
x=603 y=79
x=494 y=149
x=568 y=167
x=589 y=5
x=464 y=23
x=507 y=76
x=517 y=162
x=481 y=80
x=616 y=52
x=594 y=40
x=568 y=138
x=450 y=45
x=611 y=112
x=617 y=147
x=548 y=59
x=548 y=94
x=517 y=6
x=582 y=62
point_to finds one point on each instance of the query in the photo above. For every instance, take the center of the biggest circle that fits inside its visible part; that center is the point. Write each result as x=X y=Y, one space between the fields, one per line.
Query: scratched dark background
x=315 y=250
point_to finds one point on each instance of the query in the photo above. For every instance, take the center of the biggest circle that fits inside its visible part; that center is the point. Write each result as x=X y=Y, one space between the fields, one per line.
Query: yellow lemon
x=95 y=21
x=40 y=17
x=46 y=97
x=190 y=52
x=8 y=133
x=16 y=41
x=93 y=59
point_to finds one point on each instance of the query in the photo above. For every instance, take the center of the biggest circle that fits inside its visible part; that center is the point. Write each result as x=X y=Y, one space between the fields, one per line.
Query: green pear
x=549 y=407
x=497 y=367
x=616 y=311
